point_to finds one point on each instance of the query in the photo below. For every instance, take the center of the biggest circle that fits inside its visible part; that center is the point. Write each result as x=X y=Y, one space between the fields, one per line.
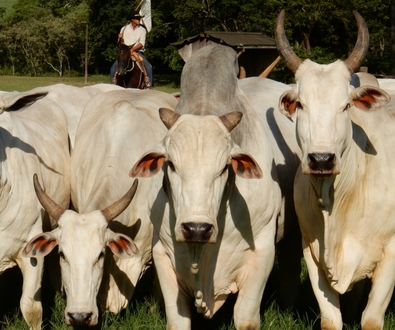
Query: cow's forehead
x=191 y=130
x=325 y=83
x=200 y=138
x=82 y=228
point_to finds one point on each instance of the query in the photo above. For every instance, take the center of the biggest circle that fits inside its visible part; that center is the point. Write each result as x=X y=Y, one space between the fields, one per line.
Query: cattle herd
x=209 y=188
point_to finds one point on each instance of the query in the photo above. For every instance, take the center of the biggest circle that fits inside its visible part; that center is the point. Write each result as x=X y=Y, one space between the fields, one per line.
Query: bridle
x=131 y=62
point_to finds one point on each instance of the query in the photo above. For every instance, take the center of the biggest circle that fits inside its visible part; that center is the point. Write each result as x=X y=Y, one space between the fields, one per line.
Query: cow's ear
x=40 y=245
x=245 y=166
x=287 y=103
x=369 y=98
x=148 y=165
x=122 y=246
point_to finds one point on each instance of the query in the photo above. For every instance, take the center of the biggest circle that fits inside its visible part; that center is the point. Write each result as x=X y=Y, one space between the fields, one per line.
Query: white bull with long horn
x=345 y=188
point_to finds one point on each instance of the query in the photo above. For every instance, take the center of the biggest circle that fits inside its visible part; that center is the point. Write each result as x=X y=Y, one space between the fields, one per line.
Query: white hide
x=116 y=127
x=388 y=85
x=347 y=218
x=34 y=139
x=205 y=183
x=82 y=241
x=72 y=100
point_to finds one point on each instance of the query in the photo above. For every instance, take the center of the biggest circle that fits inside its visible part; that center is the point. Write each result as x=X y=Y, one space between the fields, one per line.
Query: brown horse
x=128 y=73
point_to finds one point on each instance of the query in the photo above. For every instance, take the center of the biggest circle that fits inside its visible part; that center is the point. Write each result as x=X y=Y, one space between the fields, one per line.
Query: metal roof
x=233 y=39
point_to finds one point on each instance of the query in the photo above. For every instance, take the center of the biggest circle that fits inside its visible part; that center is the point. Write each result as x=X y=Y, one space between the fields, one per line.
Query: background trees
x=41 y=36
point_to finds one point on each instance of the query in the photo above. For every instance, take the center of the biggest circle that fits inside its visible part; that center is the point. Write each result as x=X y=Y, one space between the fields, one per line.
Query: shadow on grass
x=302 y=316
x=170 y=79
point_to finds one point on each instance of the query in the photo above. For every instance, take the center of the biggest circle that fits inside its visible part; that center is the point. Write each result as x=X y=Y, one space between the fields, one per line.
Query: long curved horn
x=231 y=119
x=291 y=59
x=53 y=209
x=361 y=47
x=115 y=209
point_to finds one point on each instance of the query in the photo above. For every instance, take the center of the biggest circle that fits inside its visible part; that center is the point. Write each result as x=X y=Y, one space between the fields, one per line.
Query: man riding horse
x=133 y=35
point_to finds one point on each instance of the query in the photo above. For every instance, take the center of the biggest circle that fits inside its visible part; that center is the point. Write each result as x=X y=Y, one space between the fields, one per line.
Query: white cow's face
x=82 y=241
x=198 y=156
x=320 y=104
x=82 y=246
x=198 y=151
x=321 y=101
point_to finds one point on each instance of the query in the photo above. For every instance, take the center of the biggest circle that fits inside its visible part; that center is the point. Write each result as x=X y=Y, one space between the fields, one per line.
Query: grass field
x=7 y=4
x=17 y=83
x=144 y=312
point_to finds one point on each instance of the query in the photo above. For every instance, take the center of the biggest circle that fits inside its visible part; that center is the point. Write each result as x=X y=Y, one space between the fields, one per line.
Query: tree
x=40 y=33
x=321 y=30
x=392 y=20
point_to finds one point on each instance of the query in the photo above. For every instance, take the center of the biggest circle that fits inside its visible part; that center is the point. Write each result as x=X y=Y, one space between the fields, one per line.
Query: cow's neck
x=333 y=195
x=323 y=189
x=195 y=252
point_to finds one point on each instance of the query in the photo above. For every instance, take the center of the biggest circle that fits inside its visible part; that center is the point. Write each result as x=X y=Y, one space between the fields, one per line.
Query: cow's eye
x=299 y=106
x=347 y=106
x=171 y=165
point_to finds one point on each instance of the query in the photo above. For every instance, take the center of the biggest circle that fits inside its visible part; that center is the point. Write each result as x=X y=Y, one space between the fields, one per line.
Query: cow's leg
x=383 y=282
x=31 y=307
x=123 y=277
x=259 y=264
x=177 y=303
x=327 y=298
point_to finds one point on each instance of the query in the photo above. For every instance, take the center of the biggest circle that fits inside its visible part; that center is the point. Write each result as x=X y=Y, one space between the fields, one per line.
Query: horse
x=129 y=72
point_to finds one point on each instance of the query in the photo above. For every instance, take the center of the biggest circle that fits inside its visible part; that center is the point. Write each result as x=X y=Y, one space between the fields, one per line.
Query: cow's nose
x=79 y=319
x=321 y=163
x=197 y=232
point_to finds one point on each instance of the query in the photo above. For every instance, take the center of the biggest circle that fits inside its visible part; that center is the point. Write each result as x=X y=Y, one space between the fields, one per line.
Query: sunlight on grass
x=22 y=84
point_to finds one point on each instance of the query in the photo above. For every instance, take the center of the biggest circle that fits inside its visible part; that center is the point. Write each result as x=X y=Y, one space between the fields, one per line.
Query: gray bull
x=215 y=198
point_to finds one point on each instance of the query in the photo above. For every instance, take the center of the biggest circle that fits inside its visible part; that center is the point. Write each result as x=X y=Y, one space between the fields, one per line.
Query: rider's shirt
x=131 y=37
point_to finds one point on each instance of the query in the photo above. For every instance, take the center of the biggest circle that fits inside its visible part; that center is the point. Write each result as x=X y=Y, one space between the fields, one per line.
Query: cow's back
x=34 y=140
x=115 y=129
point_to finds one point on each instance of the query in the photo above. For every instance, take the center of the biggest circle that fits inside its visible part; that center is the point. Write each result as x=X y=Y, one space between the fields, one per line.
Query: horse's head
x=124 y=60
x=129 y=73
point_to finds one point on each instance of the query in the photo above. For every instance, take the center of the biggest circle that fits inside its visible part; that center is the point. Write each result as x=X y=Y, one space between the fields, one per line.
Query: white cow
x=116 y=127
x=82 y=253
x=34 y=139
x=263 y=95
x=345 y=187
x=73 y=100
x=215 y=197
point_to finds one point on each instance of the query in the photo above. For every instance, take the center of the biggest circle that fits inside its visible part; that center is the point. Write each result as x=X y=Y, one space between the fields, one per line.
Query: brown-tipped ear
x=40 y=245
x=231 y=119
x=245 y=166
x=122 y=246
x=112 y=211
x=53 y=209
x=369 y=98
x=287 y=103
x=168 y=117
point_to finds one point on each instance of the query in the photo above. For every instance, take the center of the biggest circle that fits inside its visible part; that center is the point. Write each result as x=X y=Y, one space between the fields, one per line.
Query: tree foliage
x=42 y=36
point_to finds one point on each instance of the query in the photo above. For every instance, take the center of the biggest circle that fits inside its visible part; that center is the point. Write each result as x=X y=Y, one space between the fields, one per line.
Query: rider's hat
x=135 y=15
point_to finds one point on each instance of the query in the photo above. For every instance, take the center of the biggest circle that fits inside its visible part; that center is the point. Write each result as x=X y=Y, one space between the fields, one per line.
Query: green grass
x=22 y=84
x=145 y=313
x=7 y=4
